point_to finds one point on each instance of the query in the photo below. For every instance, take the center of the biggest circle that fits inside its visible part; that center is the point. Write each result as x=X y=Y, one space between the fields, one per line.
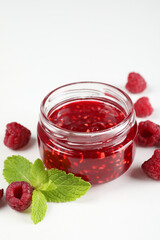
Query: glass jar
x=98 y=156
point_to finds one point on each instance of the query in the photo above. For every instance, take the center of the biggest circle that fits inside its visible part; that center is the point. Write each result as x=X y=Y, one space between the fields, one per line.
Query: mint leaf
x=69 y=187
x=38 y=174
x=48 y=186
x=17 y=168
x=39 y=206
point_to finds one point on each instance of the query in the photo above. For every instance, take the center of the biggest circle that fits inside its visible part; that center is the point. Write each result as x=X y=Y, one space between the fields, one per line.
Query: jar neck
x=87 y=90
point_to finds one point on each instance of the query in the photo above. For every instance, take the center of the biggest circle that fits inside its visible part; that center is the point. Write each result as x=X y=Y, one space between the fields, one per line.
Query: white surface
x=47 y=43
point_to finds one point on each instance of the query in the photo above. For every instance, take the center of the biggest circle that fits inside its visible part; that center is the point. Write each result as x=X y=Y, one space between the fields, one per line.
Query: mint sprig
x=49 y=185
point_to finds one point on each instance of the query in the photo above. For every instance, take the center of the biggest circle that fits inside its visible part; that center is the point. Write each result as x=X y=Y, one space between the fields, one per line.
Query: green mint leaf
x=39 y=206
x=17 y=168
x=48 y=186
x=38 y=174
x=69 y=187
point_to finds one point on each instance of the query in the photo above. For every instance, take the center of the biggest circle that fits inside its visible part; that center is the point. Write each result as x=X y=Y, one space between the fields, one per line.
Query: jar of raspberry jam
x=88 y=129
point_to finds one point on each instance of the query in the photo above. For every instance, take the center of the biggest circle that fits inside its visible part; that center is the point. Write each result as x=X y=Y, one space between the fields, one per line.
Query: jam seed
x=82 y=158
x=102 y=167
x=94 y=167
x=101 y=155
x=118 y=160
x=100 y=181
x=75 y=163
x=117 y=175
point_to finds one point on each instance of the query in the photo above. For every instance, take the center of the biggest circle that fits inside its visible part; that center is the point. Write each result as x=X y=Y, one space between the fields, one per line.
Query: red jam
x=86 y=116
x=94 y=164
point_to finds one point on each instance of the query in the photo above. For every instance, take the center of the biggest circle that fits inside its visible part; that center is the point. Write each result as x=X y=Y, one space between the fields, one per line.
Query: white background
x=48 y=43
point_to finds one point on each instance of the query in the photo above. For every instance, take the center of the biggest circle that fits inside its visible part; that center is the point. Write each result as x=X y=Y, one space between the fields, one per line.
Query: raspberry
x=1 y=193
x=156 y=154
x=136 y=83
x=152 y=166
x=16 y=135
x=143 y=107
x=19 y=195
x=148 y=134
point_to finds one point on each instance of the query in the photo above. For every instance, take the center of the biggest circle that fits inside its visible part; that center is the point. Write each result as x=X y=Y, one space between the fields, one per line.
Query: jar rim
x=119 y=127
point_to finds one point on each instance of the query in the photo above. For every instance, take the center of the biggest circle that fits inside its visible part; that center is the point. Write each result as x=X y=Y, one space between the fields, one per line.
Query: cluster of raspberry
x=148 y=131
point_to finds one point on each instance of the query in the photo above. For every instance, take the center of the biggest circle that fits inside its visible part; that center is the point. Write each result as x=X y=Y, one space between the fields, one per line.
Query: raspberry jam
x=88 y=129
x=86 y=116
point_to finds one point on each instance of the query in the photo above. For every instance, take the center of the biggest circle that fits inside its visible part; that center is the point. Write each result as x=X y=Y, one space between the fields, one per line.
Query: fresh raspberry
x=143 y=107
x=19 y=195
x=136 y=83
x=148 y=134
x=156 y=154
x=152 y=166
x=1 y=193
x=16 y=135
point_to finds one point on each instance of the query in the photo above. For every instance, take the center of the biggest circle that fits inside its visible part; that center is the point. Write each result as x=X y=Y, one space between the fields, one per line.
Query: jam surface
x=86 y=116
x=97 y=163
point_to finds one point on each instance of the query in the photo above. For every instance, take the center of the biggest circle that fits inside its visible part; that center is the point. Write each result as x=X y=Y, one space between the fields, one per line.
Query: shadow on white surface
x=3 y=203
x=138 y=174
x=30 y=144
x=27 y=211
